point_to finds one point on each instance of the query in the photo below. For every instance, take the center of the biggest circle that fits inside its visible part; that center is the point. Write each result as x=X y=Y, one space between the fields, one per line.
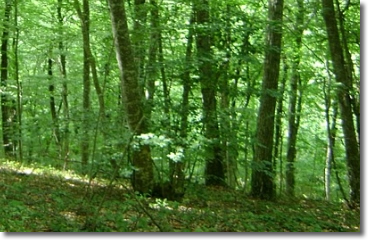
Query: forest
x=180 y=116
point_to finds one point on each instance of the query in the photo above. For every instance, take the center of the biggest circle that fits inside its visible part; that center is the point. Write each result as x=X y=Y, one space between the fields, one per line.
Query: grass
x=37 y=200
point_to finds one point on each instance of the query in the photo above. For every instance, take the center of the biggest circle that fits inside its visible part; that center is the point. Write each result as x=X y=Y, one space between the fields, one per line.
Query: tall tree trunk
x=84 y=17
x=143 y=175
x=331 y=134
x=344 y=97
x=64 y=93
x=151 y=68
x=85 y=135
x=139 y=39
x=186 y=80
x=187 y=85
x=331 y=139
x=263 y=174
x=18 y=83
x=214 y=171
x=165 y=87
x=245 y=51
x=349 y=65
x=227 y=114
x=277 y=151
x=294 y=102
x=5 y=101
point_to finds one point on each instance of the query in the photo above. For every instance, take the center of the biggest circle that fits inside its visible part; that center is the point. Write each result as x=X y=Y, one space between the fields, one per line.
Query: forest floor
x=32 y=200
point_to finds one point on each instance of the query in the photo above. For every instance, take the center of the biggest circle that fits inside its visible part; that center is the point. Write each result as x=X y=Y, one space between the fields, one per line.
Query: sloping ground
x=39 y=202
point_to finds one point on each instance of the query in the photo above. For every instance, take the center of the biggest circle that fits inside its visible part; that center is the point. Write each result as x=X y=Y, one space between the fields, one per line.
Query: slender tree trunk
x=64 y=93
x=227 y=114
x=84 y=17
x=277 y=151
x=187 y=85
x=294 y=102
x=18 y=82
x=54 y=117
x=345 y=101
x=132 y=97
x=153 y=65
x=186 y=80
x=165 y=88
x=331 y=139
x=86 y=82
x=263 y=174
x=331 y=134
x=91 y=62
x=214 y=171
x=5 y=101
x=151 y=68
x=139 y=39
x=245 y=51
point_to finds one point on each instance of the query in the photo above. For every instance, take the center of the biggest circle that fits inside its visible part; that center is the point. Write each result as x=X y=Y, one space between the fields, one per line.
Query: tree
x=277 y=151
x=214 y=171
x=64 y=93
x=85 y=26
x=184 y=114
x=341 y=16
x=344 y=89
x=262 y=175
x=19 y=110
x=7 y=114
x=89 y=66
x=143 y=169
x=84 y=17
x=295 y=102
x=331 y=139
x=53 y=111
x=227 y=115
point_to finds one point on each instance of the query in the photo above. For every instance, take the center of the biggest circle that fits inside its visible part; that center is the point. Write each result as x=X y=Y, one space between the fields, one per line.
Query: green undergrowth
x=38 y=200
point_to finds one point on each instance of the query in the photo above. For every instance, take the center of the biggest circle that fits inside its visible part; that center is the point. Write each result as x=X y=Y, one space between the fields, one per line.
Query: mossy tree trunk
x=132 y=97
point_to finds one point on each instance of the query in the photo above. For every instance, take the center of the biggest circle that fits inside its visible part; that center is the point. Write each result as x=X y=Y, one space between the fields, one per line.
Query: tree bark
x=84 y=17
x=54 y=117
x=331 y=134
x=187 y=85
x=263 y=174
x=277 y=150
x=64 y=93
x=6 y=107
x=228 y=124
x=345 y=101
x=133 y=100
x=214 y=170
x=18 y=83
x=294 y=102
x=139 y=40
x=151 y=68
x=349 y=66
